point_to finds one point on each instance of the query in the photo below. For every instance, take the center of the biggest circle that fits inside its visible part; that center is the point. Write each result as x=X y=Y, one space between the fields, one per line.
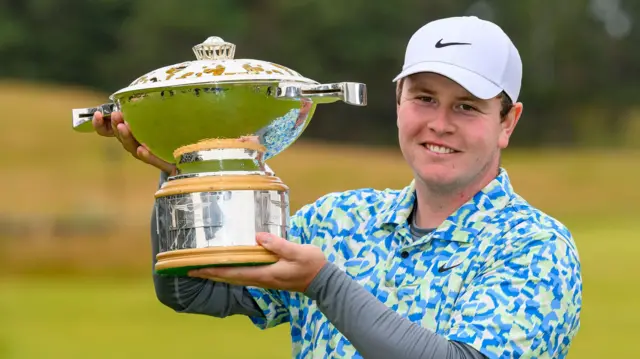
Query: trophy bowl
x=219 y=119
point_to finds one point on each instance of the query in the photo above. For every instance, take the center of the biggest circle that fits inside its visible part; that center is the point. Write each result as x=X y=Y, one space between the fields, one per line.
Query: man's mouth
x=439 y=149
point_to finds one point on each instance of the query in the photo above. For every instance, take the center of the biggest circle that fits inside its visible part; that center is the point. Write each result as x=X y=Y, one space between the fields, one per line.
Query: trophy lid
x=214 y=64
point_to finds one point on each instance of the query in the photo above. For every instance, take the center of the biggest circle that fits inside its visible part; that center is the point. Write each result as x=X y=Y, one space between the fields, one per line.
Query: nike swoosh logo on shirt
x=443 y=269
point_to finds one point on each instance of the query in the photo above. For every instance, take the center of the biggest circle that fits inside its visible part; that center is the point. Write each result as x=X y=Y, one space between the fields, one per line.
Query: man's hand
x=297 y=267
x=115 y=126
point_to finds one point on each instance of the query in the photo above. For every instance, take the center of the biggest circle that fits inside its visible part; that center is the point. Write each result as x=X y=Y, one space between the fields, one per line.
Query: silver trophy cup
x=219 y=119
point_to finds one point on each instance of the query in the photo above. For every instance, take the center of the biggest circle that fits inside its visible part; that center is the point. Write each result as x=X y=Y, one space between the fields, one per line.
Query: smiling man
x=455 y=265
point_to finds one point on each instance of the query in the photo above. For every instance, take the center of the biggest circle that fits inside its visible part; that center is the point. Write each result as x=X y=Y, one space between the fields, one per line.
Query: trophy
x=219 y=119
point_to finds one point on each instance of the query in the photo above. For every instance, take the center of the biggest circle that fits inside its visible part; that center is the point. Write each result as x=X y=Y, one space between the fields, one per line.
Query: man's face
x=450 y=138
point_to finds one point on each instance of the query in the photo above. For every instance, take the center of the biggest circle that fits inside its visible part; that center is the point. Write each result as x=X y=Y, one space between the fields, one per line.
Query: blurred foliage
x=579 y=55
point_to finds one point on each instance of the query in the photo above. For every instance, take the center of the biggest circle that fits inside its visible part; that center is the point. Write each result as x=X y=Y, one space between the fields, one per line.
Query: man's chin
x=440 y=182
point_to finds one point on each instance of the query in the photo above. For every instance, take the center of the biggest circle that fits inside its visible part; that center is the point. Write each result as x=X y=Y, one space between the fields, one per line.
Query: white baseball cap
x=475 y=53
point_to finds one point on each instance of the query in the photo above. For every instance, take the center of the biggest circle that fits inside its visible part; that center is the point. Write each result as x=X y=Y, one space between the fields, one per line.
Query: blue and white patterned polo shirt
x=516 y=272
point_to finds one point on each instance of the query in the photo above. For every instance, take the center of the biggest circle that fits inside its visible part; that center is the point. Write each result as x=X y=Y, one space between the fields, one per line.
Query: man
x=455 y=265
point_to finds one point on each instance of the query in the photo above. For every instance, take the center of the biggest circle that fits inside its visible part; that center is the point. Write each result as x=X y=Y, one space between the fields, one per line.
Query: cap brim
x=476 y=84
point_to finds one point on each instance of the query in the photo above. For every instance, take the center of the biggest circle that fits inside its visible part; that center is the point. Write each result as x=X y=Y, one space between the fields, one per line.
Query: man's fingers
x=115 y=126
x=280 y=246
x=145 y=155
x=126 y=138
x=116 y=119
x=101 y=125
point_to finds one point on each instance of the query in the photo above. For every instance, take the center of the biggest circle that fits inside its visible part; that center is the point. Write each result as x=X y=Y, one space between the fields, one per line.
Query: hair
x=506 y=103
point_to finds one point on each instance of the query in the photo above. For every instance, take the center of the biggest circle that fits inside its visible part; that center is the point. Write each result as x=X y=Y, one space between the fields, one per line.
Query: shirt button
x=404 y=254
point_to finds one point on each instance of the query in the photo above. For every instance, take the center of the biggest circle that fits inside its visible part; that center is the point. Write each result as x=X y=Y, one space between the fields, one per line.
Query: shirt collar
x=466 y=222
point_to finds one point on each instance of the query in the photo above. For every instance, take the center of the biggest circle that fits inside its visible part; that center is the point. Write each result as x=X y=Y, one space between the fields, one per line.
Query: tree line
x=580 y=56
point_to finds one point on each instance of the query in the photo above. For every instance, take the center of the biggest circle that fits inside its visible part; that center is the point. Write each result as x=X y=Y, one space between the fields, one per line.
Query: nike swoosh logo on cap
x=440 y=44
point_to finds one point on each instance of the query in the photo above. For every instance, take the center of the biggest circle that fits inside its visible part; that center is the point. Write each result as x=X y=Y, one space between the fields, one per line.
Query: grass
x=108 y=318
x=82 y=295
x=102 y=317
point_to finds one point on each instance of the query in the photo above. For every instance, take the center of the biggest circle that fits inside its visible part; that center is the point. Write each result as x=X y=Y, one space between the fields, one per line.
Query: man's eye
x=425 y=98
x=467 y=107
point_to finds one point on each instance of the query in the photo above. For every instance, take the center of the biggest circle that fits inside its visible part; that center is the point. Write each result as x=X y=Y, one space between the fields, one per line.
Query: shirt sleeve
x=525 y=303
x=375 y=330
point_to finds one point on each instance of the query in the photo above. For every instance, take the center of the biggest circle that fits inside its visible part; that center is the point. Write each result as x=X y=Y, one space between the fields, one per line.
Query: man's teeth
x=439 y=149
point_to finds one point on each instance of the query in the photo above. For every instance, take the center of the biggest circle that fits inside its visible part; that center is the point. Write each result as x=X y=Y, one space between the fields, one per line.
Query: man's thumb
x=277 y=245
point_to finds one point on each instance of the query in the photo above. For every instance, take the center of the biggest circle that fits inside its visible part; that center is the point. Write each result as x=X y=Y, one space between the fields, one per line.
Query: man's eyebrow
x=426 y=89
x=469 y=98
x=421 y=88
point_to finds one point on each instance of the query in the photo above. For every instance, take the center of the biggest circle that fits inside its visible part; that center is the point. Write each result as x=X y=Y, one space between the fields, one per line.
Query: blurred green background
x=74 y=220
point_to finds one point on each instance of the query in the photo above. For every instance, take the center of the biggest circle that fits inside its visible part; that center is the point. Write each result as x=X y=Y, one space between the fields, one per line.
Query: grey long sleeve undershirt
x=376 y=331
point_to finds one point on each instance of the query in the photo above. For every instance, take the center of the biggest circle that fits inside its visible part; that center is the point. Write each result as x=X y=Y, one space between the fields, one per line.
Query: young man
x=455 y=265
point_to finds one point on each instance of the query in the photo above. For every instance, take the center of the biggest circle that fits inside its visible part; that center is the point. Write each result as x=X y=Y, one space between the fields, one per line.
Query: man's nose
x=441 y=123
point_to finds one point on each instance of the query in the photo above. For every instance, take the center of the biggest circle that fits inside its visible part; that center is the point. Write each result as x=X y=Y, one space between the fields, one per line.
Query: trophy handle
x=352 y=93
x=82 y=116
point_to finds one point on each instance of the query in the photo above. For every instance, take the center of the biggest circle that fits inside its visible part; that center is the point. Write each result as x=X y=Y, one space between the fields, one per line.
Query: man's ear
x=509 y=125
x=399 y=85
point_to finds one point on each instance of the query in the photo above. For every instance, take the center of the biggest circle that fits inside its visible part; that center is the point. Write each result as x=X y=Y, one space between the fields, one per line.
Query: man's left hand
x=297 y=266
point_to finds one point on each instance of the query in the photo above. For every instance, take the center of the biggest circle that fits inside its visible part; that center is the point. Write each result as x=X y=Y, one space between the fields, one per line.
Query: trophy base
x=211 y=218
x=180 y=262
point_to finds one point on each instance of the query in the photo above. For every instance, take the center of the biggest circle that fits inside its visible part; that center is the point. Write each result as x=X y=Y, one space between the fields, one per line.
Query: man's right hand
x=118 y=128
